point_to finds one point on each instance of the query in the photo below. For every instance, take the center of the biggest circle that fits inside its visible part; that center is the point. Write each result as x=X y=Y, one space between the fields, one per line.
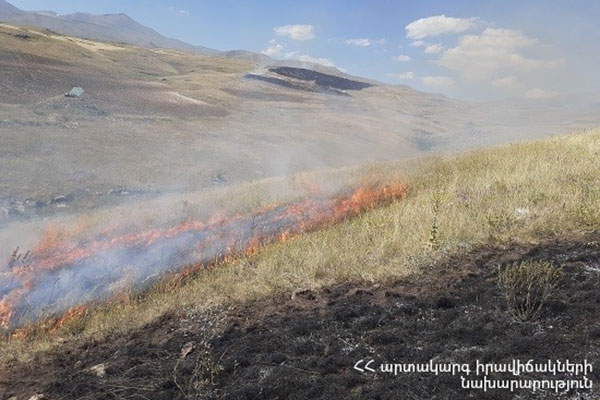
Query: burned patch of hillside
x=306 y=345
x=320 y=79
x=298 y=85
x=309 y=80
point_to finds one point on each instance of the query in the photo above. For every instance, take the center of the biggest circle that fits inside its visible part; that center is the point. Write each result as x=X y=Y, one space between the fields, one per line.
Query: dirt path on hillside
x=305 y=347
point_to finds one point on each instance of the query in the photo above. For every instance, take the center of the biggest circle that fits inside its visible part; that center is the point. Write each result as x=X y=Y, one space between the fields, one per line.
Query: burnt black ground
x=305 y=347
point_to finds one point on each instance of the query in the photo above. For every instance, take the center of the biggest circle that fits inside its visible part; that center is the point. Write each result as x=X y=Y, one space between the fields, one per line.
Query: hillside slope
x=151 y=114
x=418 y=274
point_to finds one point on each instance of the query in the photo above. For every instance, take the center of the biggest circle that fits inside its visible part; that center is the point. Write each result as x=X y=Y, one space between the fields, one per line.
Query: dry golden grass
x=196 y=76
x=520 y=192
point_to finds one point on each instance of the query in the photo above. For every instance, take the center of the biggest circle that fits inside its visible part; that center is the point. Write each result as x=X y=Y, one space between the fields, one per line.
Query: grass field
x=515 y=193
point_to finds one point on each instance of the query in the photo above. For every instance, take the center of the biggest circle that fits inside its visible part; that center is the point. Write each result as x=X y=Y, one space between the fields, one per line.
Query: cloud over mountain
x=438 y=25
x=296 y=32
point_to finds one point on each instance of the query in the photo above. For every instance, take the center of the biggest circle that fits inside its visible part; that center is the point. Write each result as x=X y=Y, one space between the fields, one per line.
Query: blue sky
x=468 y=49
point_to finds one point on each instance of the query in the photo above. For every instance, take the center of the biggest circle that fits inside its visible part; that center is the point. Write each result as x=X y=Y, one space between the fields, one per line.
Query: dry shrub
x=527 y=286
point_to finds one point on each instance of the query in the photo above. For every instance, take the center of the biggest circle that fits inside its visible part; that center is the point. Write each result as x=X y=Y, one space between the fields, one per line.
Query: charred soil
x=304 y=346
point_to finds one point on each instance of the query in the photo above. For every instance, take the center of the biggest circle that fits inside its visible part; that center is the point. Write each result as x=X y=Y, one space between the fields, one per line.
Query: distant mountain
x=248 y=55
x=106 y=27
x=122 y=28
x=7 y=10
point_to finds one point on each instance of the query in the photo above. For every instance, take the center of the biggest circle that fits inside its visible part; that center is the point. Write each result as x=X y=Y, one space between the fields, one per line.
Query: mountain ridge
x=107 y=27
x=121 y=28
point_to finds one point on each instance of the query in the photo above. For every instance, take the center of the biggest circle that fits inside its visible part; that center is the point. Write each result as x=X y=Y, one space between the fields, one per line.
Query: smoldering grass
x=548 y=178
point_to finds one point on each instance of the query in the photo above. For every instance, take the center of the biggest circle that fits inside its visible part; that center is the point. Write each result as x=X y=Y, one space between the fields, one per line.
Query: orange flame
x=56 y=250
x=71 y=314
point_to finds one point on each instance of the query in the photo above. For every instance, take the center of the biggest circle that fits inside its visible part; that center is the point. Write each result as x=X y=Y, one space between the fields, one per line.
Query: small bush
x=527 y=286
x=434 y=232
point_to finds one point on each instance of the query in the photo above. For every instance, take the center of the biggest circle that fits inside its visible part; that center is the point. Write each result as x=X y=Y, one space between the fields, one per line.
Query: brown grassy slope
x=155 y=120
x=38 y=64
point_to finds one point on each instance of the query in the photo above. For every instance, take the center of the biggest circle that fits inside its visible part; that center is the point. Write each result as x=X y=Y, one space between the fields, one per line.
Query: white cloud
x=402 y=75
x=274 y=50
x=437 y=25
x=363 y=42
x=442 y=82
x=418 y=43
x=538 y=93
x=496 y=61
x=402 y=58
x=434 y=49
x=485 y=55
x=296 y=32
